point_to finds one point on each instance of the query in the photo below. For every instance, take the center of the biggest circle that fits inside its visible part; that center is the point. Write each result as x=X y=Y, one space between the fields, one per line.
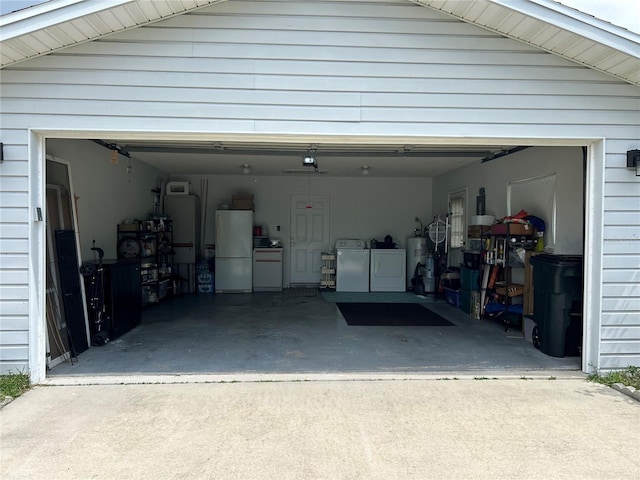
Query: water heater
x=417 y=253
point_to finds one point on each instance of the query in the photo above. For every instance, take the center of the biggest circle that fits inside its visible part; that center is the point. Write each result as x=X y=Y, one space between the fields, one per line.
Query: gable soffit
x=555 y=28
x=544 y=24
x=58 y=24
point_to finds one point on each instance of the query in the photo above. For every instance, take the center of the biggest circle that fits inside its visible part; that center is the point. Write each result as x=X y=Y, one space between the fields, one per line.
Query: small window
x=456 y=206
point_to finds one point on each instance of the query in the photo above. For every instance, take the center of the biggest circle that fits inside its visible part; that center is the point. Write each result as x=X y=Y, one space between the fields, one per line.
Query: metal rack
x=151 y=244
x=328 y=270
x=505 y=250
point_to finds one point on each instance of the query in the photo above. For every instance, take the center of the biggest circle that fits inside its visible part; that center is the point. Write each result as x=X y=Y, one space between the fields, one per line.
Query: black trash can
x=557 y=303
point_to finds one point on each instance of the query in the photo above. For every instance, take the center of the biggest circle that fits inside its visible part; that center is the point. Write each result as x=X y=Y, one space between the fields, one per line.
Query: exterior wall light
x=633 y=160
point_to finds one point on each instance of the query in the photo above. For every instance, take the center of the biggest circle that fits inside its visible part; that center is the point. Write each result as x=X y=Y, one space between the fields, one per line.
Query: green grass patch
x=629 y=376
x=13 y=384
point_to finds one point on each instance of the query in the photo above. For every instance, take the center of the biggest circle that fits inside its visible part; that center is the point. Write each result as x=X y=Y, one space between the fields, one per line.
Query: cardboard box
x=242 y=201
x=129 y=227
x=242 y=205
x=512 y=290
x=477 y=231
x=513 y=229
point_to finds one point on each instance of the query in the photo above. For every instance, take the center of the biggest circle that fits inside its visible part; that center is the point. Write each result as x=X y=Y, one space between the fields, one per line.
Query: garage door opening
x=190 y=330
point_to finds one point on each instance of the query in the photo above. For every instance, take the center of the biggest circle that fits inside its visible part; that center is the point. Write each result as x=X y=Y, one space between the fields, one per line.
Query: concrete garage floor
x=279 y=333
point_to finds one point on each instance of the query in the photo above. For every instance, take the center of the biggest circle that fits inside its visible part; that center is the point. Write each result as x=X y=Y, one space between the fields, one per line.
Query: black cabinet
x=122 y=296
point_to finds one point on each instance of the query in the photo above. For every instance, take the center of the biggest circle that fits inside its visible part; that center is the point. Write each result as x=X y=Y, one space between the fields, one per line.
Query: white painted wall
x=363 y=208
x=107 y=195
x=372 y=68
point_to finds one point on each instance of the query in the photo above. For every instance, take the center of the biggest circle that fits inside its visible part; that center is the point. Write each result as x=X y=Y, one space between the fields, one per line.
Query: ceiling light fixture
x=365 y=170
x=246 y=169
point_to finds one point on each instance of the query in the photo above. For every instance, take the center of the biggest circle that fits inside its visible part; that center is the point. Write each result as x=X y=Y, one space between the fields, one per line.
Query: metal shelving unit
x=151 y=243
x=328 y=270
x=506 y=250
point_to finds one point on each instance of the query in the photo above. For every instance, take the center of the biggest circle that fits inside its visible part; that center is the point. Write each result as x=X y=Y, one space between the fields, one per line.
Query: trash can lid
x=561 y=260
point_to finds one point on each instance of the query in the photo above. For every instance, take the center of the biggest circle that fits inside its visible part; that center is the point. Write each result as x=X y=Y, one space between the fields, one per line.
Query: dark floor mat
x=391 y=315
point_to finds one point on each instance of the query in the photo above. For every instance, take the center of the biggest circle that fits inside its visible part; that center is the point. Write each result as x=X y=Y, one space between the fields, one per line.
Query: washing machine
x=352 y=266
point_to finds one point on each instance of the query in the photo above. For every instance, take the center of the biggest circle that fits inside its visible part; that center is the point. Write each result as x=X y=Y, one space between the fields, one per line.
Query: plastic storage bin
x=472 y=260
x=557 y=303
x=452 y=296
x=469 y=279
x=470 y=302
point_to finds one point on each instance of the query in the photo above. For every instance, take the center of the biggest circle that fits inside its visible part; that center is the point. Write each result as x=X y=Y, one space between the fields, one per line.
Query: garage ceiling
x=278 y=159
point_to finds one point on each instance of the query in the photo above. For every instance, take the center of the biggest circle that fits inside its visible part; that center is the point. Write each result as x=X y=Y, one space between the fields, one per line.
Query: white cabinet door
x=267 y=269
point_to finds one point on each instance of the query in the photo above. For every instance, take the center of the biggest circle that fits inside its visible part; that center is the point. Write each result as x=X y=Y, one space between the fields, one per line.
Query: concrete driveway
x=324 y=428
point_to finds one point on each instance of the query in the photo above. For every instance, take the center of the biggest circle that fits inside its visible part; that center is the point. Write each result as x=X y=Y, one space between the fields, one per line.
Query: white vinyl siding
x=361 y=68
x=14 y=253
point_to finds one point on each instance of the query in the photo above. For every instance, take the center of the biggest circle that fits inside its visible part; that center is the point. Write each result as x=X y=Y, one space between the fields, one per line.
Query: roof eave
x=617 y=40
x=37 y=17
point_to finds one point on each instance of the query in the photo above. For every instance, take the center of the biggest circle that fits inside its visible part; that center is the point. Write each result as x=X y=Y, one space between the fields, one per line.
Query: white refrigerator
x=234 y=250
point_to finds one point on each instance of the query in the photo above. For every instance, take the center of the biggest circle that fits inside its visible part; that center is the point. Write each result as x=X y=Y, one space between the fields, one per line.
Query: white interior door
x=310 y=236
